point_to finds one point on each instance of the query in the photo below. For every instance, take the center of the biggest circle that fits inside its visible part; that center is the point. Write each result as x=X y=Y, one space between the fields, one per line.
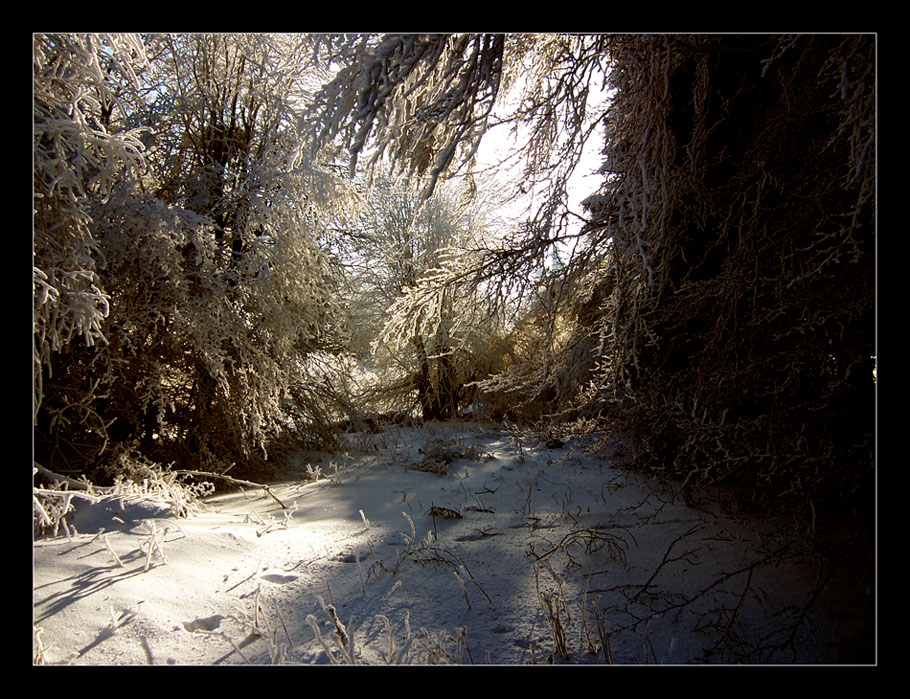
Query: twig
x=666 y=560
x=464 y=569
x=231 y=479
x=234 y=646
x=107 y=544
x=153 y=542
x=71 y=482
x=464 y=590
x=363 y=588
x=594 y=540
x=284 y=626
x=311 y=620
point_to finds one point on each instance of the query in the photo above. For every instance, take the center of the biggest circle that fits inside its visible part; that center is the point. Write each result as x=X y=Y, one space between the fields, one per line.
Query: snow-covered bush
x=741 y=211
x=177 y=240
x=79 y=157
x=547 y=357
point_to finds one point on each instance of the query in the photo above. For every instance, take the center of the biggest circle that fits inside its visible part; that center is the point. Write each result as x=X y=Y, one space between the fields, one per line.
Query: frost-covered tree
x=212 y=295
x=79 y=158
x=741 y=209
x=418 y=316
x=427 y=101
x=257 y=276
x=733 y=234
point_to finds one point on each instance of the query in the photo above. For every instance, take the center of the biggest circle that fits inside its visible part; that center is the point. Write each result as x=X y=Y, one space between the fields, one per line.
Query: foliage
x=77 y=160
x=414 y=303
x=724 y=291
x=198 y=284
x=741 y=212
x=420 y=97
x=554 y=347
x=718 y=306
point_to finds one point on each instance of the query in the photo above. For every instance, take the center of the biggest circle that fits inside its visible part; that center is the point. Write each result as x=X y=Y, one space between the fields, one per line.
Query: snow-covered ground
x=457 y=543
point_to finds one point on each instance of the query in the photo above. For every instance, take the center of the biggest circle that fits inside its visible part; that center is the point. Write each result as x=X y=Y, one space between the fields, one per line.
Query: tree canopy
x=227 y=226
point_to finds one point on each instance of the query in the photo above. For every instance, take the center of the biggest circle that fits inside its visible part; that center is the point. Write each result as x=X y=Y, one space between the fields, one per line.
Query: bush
x=742 y=215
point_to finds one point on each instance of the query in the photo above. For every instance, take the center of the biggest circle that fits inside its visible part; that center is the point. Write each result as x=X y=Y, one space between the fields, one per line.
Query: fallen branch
x=238 y=481
x=71 y=482
x=593 y=541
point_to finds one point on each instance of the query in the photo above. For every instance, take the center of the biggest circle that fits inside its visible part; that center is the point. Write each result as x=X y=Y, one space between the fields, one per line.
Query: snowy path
x=445 y=544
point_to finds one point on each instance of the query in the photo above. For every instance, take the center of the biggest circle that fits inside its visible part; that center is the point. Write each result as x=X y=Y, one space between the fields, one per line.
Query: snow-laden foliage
x=558 y=338
x=77 y=158
x=427 y=101
x=216 y=348
x=736 y=221
x=717 y=302
x=418 y=316
x=742 y=305
x=420 y=97
x=182 y=248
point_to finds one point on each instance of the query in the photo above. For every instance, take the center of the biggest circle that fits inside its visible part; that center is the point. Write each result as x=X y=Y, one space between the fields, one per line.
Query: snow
x=451 y=543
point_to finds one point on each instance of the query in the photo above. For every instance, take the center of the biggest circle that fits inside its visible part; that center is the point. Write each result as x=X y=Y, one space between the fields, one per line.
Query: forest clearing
x=475 y=349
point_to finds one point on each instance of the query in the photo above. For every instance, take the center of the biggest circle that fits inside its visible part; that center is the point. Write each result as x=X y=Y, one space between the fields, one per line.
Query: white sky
x=499 y=143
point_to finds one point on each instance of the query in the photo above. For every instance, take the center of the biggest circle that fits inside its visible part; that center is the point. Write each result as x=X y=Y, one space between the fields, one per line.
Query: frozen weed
x=268 y=522
x=107 y=544
x=39 y=650
x=258 y=624
x=592 y=541
x=442 y=648
x=314 y=472
x=366 y=522
x=556 y=611
x=464 y=590
x=153 y=544
x=398 y=585
x=343 y=636
x=600 y=627
x=363 y=588
x=554 y=607
x=395 y=654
